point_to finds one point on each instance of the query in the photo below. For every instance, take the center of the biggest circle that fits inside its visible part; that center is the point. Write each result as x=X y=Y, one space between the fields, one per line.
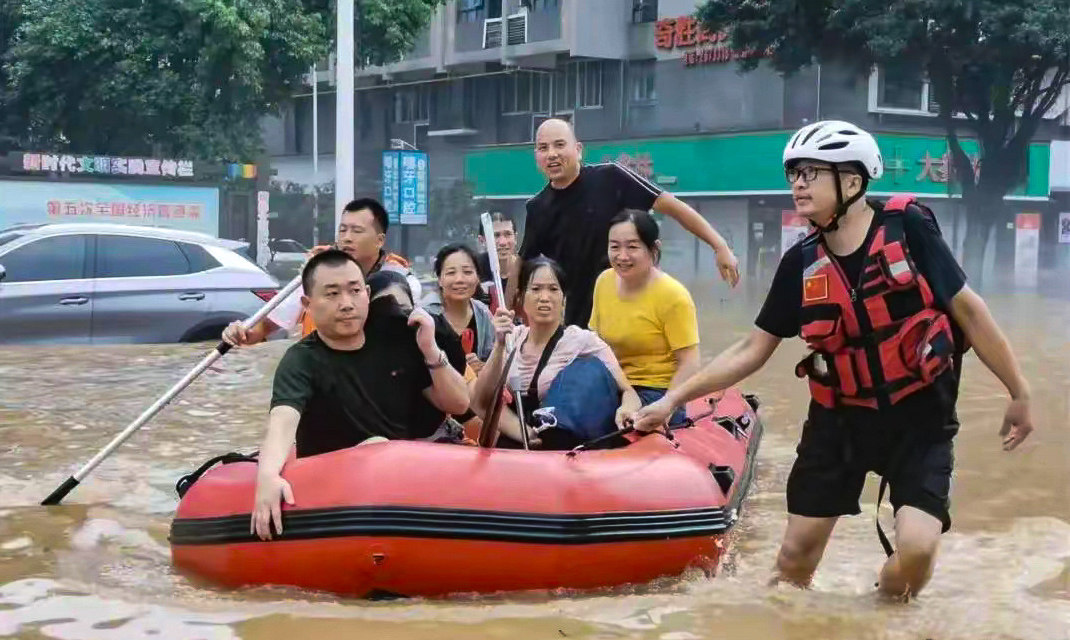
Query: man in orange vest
x=361 y=234
x=879 y=298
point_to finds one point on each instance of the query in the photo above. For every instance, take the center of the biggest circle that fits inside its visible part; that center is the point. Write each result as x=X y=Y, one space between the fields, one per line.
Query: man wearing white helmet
x=883 y=305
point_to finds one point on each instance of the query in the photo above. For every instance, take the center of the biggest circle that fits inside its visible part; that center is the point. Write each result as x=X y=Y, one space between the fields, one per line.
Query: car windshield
x=8 y=237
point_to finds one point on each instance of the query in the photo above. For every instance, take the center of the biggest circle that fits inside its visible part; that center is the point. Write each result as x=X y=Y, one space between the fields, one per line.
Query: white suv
x=108 y=283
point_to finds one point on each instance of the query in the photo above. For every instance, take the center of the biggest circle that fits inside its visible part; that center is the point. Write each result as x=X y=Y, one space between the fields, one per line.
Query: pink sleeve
x=595 y=346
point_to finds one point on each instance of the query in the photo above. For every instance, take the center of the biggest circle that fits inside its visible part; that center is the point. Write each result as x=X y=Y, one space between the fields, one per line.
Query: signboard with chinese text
x=185 y=208
x=43 y=163
x=391 y=172
x=423 y=180
x=744 y=162
x=1064 y=227
x=406 y=186
x=684 y=36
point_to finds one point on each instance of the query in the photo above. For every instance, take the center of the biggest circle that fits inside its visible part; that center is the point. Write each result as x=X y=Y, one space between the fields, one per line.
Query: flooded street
x=98 y=567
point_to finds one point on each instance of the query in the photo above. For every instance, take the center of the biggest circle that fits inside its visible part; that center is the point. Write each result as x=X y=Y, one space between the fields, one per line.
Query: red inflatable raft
x=423 y=519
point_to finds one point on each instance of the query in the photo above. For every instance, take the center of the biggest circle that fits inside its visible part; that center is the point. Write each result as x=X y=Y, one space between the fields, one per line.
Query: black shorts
x=835 y=453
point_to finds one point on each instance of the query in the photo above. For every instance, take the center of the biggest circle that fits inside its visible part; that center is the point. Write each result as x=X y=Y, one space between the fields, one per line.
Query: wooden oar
x=488 y=432
x=218 y=352
x=496 y=272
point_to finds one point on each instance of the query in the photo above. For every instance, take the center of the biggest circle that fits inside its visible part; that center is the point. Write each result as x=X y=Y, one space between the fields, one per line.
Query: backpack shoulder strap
x=533 y=389
x=809 y=247
x=899 y=204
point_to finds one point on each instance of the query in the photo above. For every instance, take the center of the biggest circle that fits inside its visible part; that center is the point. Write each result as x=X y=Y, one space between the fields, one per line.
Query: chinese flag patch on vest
x=815 y=288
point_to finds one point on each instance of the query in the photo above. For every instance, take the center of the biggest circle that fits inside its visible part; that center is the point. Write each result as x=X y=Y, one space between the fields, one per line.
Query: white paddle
x=496 y=273
x=218 y=352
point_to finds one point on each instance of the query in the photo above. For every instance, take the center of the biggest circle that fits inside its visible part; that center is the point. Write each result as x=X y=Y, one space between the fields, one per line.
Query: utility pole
x=344 y=169
x=315 y=158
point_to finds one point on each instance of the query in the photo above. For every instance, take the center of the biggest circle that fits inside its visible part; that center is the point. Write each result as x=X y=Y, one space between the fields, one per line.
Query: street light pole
x=398 y=143
x=344 y=170
x=315 y=158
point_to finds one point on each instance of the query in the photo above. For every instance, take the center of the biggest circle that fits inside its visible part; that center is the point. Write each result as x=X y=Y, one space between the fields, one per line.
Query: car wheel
x=204 y=334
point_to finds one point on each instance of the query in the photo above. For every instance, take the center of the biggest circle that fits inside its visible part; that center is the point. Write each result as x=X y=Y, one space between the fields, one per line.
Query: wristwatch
x=440 y=362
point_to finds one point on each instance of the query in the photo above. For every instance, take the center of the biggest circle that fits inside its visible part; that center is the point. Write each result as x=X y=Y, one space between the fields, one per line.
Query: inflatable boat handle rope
x=630 y=428
x=218 y=352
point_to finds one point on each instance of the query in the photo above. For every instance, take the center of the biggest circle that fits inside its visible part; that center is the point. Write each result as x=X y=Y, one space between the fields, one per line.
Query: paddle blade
x=61 y=492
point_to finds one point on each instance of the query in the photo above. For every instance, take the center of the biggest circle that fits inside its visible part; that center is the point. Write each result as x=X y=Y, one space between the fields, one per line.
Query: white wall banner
x=1026 y=248
x=793 y=228
x=1064 y=227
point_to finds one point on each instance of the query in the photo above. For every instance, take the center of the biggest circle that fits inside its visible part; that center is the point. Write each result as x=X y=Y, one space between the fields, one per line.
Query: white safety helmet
x=835 y=142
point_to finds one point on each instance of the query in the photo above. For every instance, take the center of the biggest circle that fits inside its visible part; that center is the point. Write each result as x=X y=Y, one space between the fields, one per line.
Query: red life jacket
x=877 y=341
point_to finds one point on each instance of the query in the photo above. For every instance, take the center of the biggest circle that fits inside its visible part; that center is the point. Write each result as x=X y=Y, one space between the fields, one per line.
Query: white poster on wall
x=793 y=228
x=1064 y=227
x=1026 y=248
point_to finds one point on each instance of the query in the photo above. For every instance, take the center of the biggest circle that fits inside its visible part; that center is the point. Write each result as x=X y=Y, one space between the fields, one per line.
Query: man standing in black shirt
x=569 y=219
x=885 y=309
x=340 y=386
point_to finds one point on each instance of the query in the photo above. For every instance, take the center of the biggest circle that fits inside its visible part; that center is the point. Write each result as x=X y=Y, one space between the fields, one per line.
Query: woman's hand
x=503 y=325
x=629 y=405
x=474 y=362
x=728 y=266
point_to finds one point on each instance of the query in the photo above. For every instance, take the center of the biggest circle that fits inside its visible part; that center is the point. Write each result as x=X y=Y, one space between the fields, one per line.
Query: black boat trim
x=427 y=522
x=466 y=524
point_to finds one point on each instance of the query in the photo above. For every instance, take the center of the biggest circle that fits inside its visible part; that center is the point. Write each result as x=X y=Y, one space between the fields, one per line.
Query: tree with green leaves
x=456 y=212
x=9 y=20
x=995 y=67
x=188 y=78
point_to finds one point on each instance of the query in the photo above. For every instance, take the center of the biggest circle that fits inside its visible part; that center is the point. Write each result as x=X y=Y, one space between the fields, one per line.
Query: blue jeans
x=650 y=395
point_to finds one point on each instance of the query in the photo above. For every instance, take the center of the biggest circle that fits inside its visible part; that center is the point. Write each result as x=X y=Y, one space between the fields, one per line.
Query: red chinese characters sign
x=123 y=210
x=685 y=32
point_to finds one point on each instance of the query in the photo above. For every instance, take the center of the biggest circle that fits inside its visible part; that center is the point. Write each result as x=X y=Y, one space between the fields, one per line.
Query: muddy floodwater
x=98 y=567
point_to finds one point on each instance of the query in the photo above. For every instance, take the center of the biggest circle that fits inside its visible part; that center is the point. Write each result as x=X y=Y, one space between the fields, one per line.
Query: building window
x=540 y=92
x=516 y=93
x=644 y=11
x=412 y=104
x=901 y=91
x=578 y=84
x=589 y=79
x=643 y=87
x=469 y=10
x=540 y=5
x=565 y=88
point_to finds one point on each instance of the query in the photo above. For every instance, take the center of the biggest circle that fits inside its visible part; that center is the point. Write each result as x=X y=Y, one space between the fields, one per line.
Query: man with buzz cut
x=568 y=220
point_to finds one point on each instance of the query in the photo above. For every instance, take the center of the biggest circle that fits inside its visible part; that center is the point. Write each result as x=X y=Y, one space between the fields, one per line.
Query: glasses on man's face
x=807 y=172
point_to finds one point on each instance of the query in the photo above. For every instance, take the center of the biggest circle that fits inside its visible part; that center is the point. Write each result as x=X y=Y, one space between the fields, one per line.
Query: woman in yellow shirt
x=645 y=315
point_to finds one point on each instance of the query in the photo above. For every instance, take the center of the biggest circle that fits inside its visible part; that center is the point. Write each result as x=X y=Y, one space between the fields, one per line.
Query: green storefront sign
x=735 y=164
